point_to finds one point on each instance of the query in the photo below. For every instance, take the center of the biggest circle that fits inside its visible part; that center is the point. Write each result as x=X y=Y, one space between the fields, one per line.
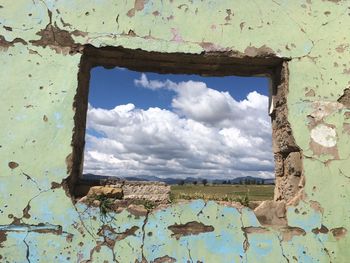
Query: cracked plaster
x=38 y=222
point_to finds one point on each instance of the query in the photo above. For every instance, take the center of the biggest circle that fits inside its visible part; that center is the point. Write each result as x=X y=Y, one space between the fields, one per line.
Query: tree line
x=246 y=181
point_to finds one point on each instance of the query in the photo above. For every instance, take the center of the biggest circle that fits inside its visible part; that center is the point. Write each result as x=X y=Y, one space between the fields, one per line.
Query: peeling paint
x=41 y=46
x=345 y=98
x=190 y=228
x=324 y=135
x=339 y=232
x=4 y=45
x=13 y=165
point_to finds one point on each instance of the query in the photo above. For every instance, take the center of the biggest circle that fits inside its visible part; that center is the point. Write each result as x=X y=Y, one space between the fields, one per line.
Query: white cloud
x=154 y=84
x=206 y=134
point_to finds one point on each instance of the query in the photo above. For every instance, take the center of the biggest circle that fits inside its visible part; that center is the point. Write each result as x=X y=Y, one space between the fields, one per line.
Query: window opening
x=179 y=109
x=185 y=130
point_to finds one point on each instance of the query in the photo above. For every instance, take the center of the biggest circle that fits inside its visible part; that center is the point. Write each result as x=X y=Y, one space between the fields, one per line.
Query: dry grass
x=229 y=193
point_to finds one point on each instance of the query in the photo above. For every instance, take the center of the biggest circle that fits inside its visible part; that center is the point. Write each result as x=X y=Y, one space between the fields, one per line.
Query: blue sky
x=111 y=87
x=147 y=124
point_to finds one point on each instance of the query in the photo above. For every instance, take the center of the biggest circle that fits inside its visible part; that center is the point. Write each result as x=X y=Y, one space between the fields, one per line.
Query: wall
x=41 y=43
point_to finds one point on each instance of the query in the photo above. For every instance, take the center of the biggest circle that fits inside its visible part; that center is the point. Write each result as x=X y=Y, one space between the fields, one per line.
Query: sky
x=146 y=124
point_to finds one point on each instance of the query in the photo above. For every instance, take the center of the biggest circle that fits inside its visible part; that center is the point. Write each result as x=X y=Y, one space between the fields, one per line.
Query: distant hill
x=242 y=180
x=172 y=180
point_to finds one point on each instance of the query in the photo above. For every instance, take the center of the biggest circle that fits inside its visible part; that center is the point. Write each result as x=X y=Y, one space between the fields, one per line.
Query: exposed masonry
x=157 y=192
x=288 y=156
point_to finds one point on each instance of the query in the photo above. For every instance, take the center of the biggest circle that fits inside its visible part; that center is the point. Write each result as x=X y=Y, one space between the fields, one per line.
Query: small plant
x=105 y=203
x=243 y=200
x=172 y=197
x=149 y=205
x=227 y=198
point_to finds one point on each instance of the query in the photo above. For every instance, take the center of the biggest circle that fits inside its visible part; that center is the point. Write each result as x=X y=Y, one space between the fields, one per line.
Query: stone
x=84 y=199
x=109 y=192
x=116 y=185
x=137 y=210
x=152 y=191
x=96 y=203
x=121 y=203
x=271 y=213
x=279 y=169
x=254 y=204
x=293 y=164
x=283 y=140
x=291 y=180
x=286 y=187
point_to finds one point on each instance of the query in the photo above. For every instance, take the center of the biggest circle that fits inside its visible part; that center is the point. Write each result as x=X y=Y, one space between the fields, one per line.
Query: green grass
x=222 y=192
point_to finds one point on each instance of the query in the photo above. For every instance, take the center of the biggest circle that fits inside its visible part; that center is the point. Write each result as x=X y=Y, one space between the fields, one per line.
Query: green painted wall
x=39 y=223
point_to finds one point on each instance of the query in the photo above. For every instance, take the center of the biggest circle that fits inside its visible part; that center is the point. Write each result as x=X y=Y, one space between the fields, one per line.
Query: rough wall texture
x=130 y=190
x=41 y=42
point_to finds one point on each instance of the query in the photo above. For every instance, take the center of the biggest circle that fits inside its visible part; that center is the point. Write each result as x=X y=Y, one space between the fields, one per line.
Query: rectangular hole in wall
x=172 y=127
x=184 y=130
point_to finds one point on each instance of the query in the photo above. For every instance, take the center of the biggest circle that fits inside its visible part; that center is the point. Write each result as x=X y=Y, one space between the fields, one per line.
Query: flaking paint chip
x=13 y=165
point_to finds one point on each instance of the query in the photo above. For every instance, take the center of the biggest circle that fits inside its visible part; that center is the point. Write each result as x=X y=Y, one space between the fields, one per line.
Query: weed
x=105 y=203
x=172 y=197
x=149 y=205
x=243 y=200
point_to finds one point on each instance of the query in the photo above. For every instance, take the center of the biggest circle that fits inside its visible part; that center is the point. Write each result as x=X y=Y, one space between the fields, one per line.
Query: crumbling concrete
x=123 y=189
x=107 y=191
x=153 y=191
x=288 y=156
x=272 y=213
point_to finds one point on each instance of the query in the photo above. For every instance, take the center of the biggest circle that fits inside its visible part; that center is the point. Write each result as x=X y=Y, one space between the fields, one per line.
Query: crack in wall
x=324 y=248
x=245 y=244
x=111 y=238
x=109 y=241
x=189 y=253
x=301 y=29
x=204 y=206
x=31 y=179
x=343 y=174
x=28 y=248
x=82 y=223
x=334 y=20
x=26 y=209
x=326 y=163
x=143 y=237
x=57 y=39
x=281 y=246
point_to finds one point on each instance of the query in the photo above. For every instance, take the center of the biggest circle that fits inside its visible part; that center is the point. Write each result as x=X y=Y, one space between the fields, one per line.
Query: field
x=222 y=192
